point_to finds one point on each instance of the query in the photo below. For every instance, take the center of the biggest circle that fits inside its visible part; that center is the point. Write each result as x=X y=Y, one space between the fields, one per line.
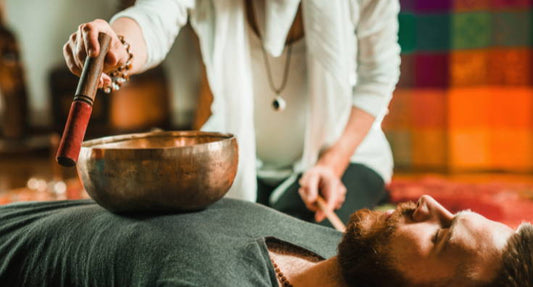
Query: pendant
x=278 y=104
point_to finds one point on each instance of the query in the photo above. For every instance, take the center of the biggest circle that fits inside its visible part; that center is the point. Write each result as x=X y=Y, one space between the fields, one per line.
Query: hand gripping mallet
x=82 y=106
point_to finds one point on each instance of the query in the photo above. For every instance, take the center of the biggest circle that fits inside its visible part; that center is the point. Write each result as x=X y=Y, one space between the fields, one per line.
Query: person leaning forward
x=328 y=68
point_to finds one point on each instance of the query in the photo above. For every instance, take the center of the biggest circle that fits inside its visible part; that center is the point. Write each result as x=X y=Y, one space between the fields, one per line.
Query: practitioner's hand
x=84 y=42
x=321 y=180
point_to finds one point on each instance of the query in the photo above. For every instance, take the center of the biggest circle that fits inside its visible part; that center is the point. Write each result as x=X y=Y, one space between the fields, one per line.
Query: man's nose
x=429 y=209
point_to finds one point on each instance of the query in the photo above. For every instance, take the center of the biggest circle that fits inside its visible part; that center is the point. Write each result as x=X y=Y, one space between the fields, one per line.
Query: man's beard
x=364 y=247
x=372 y=227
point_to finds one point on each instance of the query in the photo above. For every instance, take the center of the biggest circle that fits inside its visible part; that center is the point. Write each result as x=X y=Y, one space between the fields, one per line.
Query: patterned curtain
x=465 y=97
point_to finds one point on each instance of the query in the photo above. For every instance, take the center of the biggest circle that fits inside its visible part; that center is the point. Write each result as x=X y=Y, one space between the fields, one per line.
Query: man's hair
x=517 y=260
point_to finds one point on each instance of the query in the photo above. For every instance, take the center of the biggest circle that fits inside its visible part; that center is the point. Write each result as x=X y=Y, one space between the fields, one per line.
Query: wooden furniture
x=14 y=120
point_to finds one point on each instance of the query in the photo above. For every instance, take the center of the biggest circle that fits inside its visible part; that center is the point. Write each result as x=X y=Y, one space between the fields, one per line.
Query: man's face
x=429 y=244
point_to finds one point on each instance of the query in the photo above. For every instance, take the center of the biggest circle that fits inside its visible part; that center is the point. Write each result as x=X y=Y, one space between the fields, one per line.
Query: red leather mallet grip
x=82 y=106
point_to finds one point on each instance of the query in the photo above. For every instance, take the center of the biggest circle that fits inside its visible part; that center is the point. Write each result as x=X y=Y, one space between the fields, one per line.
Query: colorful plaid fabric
x=465 y=97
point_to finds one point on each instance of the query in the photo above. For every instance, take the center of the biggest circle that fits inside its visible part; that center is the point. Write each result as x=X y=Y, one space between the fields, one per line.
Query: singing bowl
x=158 y=171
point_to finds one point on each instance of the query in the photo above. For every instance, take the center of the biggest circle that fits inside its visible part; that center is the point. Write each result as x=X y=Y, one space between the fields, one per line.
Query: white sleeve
x=160 y=22
x=378 y=54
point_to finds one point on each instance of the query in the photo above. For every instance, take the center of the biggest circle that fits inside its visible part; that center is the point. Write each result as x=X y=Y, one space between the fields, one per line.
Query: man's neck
x=302 y=272
x=324 y=273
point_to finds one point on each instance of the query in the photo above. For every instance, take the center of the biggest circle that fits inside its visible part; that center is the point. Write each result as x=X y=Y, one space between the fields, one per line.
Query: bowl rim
x=95 y=144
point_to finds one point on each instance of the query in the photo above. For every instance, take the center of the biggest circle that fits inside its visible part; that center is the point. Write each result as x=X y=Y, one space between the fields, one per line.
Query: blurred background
x=460 y=122
x=461 y=119
x=465 y=101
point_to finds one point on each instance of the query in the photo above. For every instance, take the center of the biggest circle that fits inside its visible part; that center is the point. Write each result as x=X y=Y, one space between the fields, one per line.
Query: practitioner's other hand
x=321 y=180
x=84 y=42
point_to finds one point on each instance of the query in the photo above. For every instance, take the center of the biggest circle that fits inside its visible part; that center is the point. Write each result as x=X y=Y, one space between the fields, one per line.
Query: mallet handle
x=82 y=106
x=332 y=217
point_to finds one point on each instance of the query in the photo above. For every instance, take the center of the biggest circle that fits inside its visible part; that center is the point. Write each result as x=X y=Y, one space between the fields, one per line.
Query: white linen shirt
x=352 y=60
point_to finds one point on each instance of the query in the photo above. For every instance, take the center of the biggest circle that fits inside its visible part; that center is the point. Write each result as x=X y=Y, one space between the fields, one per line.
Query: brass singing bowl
x=158 y=171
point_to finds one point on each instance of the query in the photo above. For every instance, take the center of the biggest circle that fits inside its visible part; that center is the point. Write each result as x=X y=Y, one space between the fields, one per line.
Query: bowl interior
x=156 y=140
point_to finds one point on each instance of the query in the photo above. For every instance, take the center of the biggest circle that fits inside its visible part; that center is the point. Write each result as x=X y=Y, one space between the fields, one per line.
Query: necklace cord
x=285 y=70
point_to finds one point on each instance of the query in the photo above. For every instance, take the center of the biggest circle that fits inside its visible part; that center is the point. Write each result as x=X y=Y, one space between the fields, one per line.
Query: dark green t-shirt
x=78 y=243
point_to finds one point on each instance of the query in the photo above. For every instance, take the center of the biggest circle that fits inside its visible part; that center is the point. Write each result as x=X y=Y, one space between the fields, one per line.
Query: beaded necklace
x=279 y=274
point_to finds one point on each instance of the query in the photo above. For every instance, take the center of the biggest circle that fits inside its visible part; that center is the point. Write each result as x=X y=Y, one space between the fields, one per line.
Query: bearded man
x=237 y=243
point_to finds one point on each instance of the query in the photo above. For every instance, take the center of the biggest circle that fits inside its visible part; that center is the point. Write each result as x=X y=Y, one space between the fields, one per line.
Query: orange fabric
x=464 y=101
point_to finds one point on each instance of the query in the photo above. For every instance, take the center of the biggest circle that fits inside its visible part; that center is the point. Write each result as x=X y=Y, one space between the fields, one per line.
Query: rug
x=508 y=199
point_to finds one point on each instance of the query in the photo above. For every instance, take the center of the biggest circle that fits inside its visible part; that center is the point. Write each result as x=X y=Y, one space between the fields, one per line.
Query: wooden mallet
x=82 y=106
x=332 y=217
